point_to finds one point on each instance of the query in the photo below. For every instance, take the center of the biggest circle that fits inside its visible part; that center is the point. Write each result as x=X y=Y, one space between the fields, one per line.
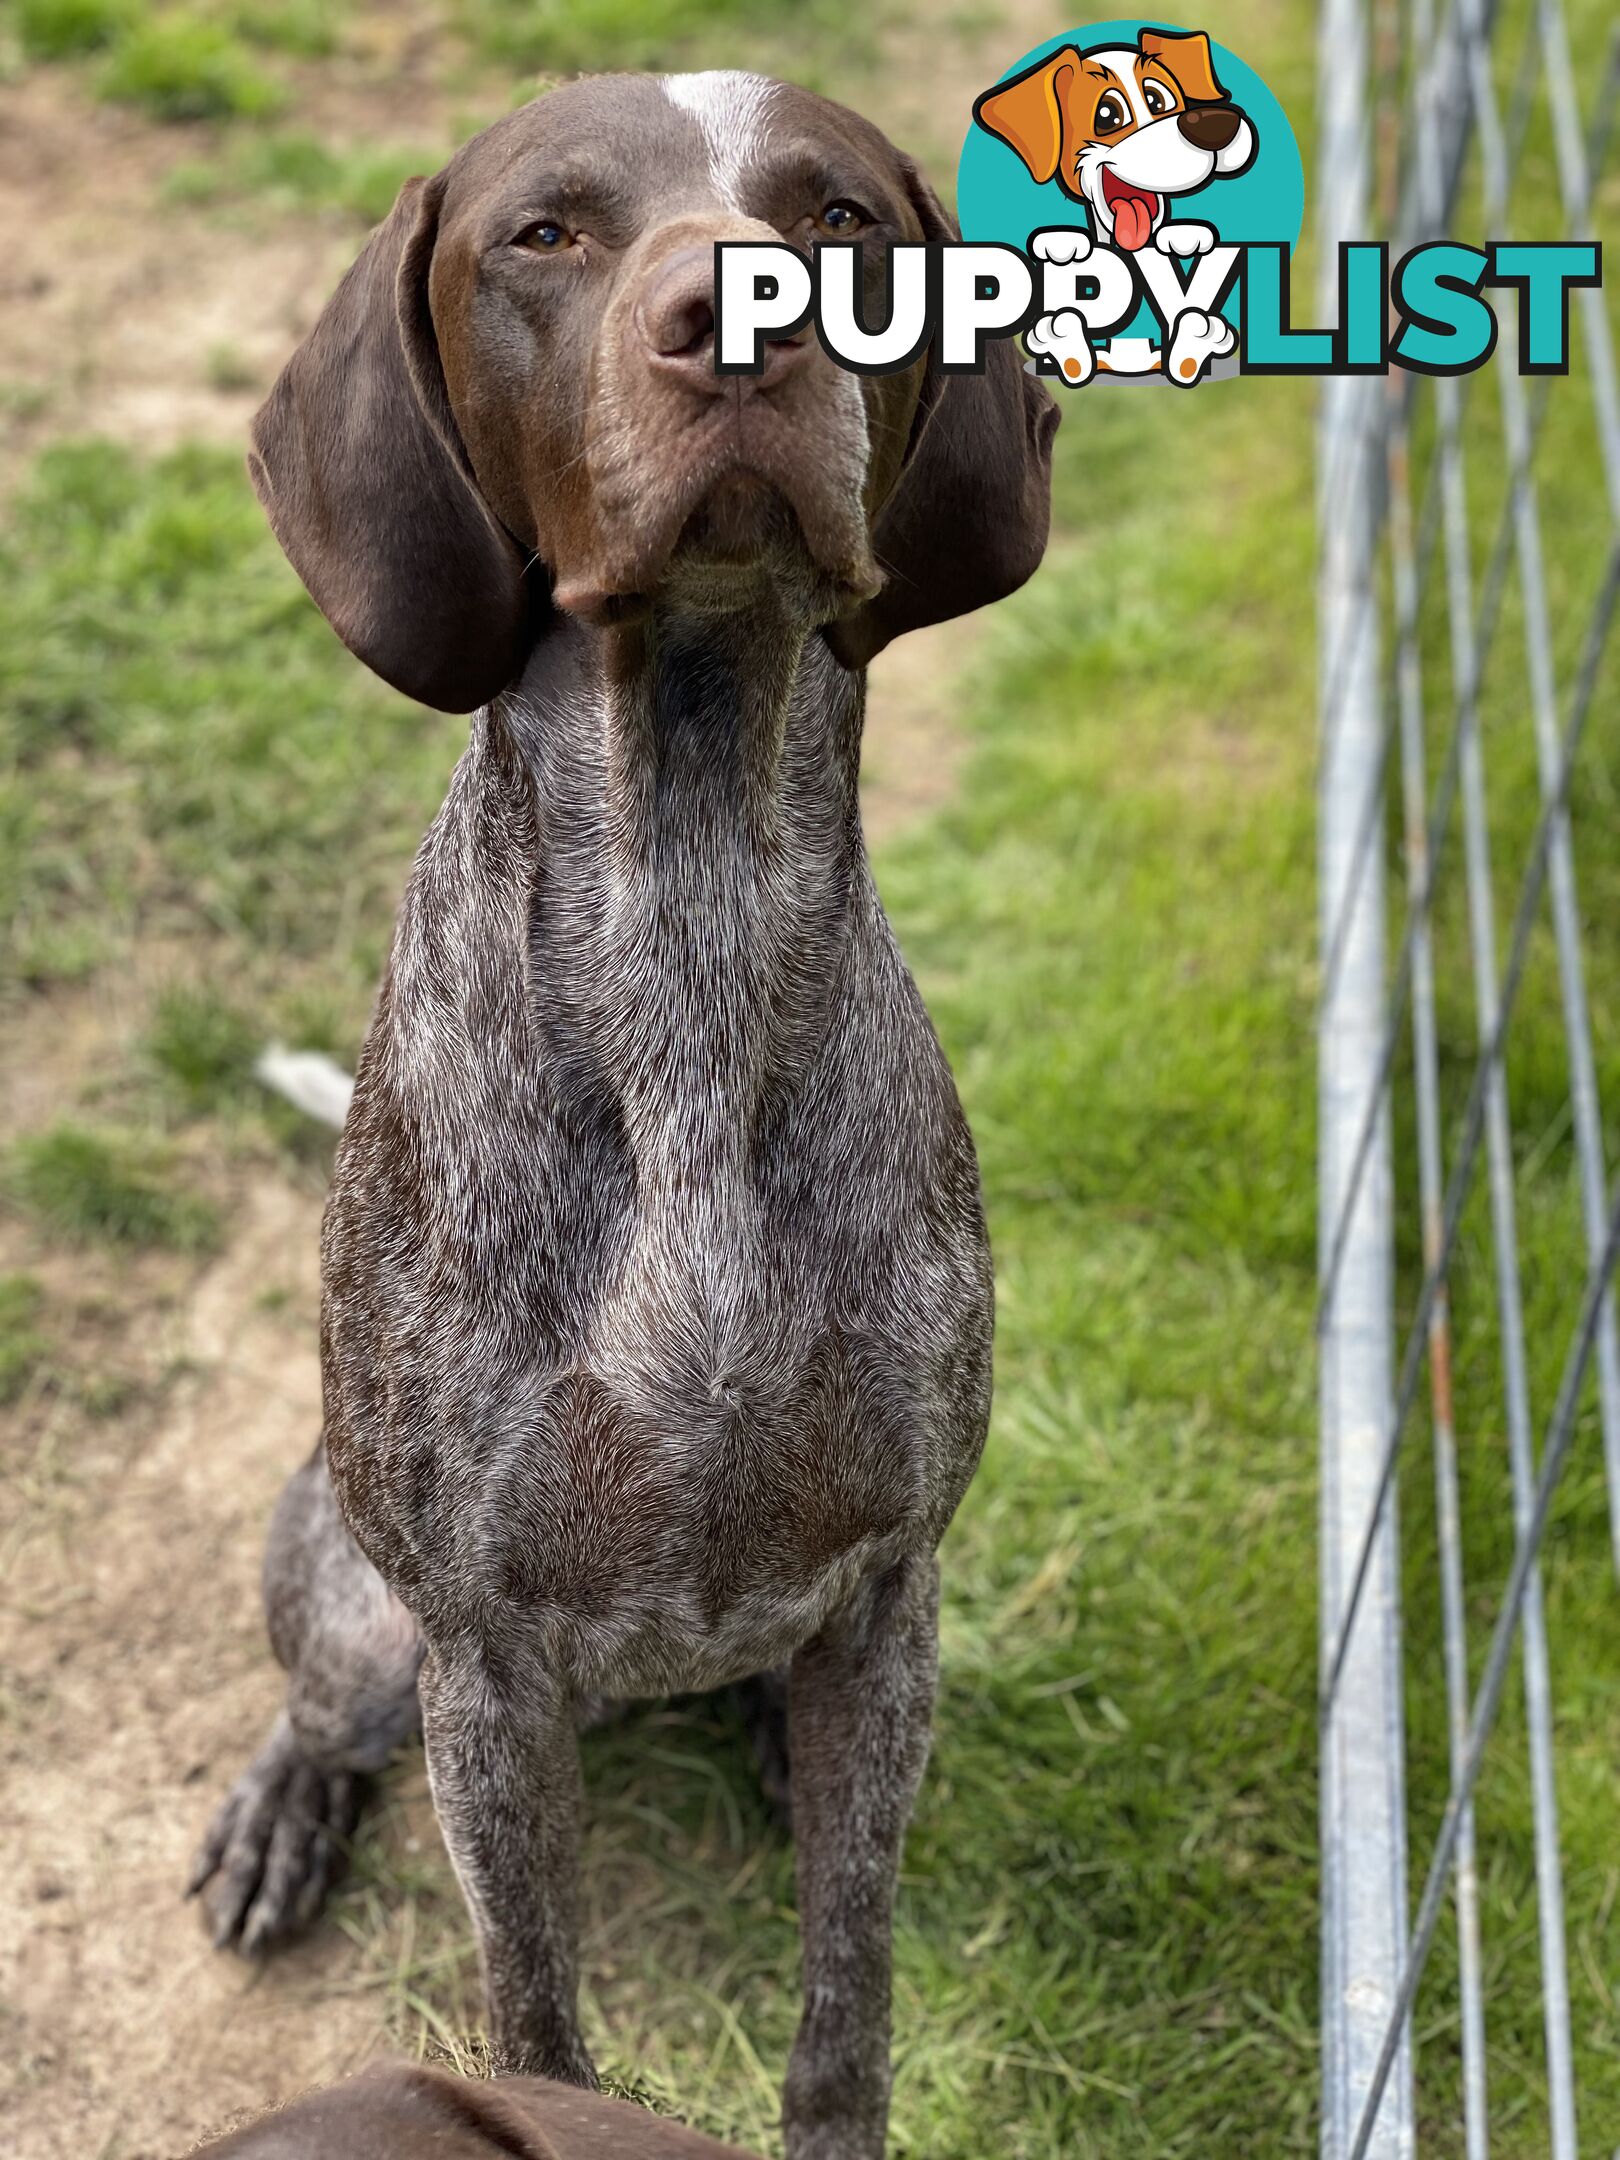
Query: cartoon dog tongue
x=1133 y=210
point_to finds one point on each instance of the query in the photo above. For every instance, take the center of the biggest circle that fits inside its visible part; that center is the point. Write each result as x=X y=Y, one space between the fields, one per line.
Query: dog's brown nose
x=1209 y=127
x=675 y=317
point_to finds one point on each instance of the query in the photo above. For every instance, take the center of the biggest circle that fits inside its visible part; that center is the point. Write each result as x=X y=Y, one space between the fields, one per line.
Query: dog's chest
x=666 y=1420
x=685 y=1499
x=667 y=1470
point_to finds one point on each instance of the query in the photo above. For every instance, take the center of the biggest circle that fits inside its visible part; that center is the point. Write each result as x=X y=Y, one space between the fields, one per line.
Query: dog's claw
x=210 y=1852
x=275 y=1847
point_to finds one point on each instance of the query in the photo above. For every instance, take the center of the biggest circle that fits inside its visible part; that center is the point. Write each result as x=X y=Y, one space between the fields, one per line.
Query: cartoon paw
x=1184 y=239
x=1062 y=337
x=1199 y=339
x=1061 y=244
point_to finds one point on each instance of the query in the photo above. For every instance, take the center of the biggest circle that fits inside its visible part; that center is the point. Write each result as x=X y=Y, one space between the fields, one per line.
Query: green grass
x=202 y=1047
x=564 y=36
x=308 y=29
x=1115 y=932
x=184 y=748
x=239 y=61
x=183 y=66
x=237 y=65
x=107 y=1188
x=182 y=63
x=228 y=370
x=23 y=1345
x=65 y=29
x=290 y=171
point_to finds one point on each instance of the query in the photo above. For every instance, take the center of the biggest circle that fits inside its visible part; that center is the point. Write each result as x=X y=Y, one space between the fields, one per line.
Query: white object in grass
x=310 y=1081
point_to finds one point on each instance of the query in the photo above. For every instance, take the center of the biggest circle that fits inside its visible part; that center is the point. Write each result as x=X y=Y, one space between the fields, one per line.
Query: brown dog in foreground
x=656 y=1293
x=401 y=2111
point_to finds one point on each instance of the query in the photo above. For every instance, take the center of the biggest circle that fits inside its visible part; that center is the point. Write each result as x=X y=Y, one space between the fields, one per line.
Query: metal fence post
x=1362 y=1800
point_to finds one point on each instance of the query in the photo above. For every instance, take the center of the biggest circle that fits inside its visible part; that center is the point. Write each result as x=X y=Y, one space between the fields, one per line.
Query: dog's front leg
x=860 y=1700
x=503 y=1762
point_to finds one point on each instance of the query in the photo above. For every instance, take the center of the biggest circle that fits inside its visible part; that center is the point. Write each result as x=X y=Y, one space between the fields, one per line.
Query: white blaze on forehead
x=733 y=111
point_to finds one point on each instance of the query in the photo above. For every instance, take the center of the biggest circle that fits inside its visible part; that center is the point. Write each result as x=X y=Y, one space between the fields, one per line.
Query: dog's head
x=1123 y=128
x=510 y=405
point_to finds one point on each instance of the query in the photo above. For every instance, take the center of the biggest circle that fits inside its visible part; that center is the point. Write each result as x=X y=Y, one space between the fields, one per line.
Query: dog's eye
x=1111 y=113
x=546 y=237
x=842 y=217
x=1156 y=97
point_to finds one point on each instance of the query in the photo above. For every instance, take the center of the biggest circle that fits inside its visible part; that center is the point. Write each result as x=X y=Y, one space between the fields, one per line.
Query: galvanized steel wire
x=1408 y=95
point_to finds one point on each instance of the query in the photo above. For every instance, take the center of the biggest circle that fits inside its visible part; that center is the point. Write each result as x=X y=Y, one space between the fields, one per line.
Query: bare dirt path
x=133 y=1670
x=136 y=1675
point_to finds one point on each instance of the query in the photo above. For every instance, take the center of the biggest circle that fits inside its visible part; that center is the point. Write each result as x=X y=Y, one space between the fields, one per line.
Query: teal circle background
x=996 y=199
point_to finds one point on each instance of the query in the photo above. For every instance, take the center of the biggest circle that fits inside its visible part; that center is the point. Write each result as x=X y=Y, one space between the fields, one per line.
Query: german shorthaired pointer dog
x=657 y=1299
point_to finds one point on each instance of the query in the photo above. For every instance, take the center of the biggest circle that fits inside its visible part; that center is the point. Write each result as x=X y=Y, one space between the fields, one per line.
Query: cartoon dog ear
x=1027 y=111
x=360 y=467
x=1188 y=57
x=967 y=520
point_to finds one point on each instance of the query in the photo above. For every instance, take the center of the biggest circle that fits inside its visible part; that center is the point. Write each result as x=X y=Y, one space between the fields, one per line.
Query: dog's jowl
x=656 y=1307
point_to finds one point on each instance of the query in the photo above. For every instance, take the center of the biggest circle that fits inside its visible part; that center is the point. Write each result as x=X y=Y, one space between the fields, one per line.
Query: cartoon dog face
x=1123 y=128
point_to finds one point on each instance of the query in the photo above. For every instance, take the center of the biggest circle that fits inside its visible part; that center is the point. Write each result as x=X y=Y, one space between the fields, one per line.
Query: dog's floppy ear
x=967 y=520
x=1190 y=61
x=358 y=462
x=1027 y=111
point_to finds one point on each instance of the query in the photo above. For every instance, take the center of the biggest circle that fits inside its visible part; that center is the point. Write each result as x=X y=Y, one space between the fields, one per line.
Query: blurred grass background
x=1107 y=1940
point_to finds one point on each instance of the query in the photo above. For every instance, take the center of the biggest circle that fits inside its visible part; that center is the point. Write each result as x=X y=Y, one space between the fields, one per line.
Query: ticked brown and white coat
x=656 y=1295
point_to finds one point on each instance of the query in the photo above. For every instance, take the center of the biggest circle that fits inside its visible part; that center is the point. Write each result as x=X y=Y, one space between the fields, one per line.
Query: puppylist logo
x=1132 y=130
x=1130 y=196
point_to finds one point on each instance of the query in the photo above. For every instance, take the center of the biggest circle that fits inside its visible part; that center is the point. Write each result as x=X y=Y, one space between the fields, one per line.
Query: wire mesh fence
x=1470 y=1373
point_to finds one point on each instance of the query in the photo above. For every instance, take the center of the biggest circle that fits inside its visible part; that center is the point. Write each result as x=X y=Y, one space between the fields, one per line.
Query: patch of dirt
x=913 y=747
x=929 y=74
x=931 y=69
x=116 y=311
x=125 y=315
x=67 y=1048
x=137 y=1681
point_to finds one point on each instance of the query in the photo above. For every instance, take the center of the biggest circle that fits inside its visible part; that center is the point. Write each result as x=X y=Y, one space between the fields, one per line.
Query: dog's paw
x=276 y=1846
x=1061 y=244
x=562 y=2057
x=1184 y=239
x=1198 y=339
x=1062 y=337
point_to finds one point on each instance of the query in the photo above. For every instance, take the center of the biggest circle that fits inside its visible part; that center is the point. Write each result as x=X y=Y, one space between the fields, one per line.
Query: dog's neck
x=698 y=855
